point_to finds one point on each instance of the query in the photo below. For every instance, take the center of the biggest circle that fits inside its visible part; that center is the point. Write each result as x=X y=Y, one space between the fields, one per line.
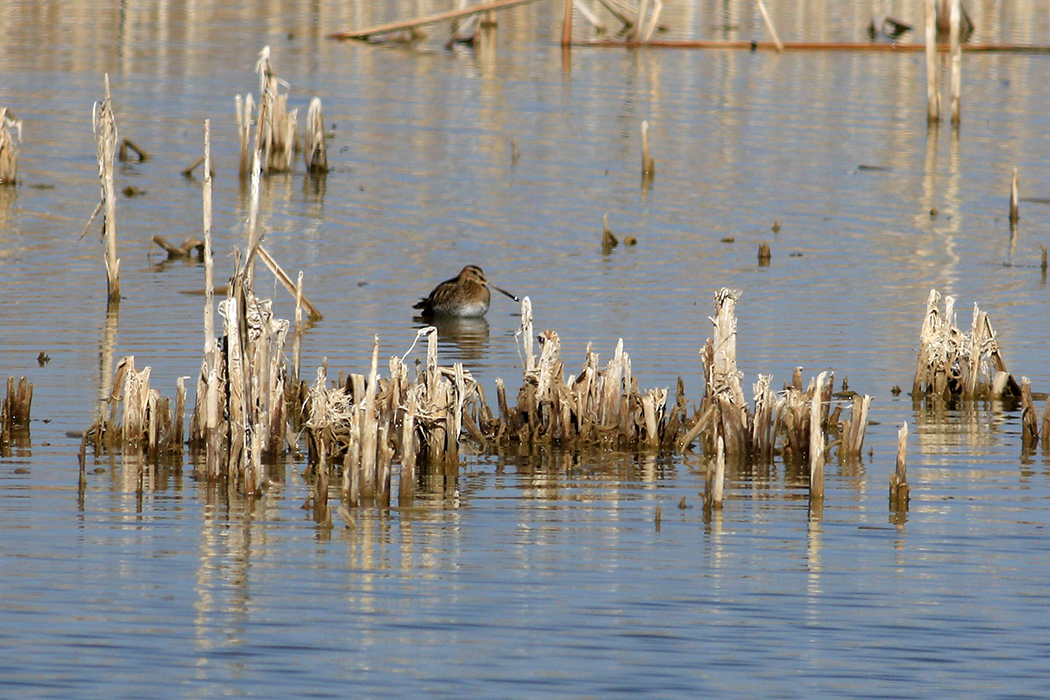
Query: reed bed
x=362 y=432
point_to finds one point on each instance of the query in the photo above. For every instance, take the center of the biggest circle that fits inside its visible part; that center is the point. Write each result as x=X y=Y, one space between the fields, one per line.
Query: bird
x=465 y=296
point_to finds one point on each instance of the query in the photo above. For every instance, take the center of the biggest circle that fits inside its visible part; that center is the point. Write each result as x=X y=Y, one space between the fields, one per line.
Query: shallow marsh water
x=543 y=575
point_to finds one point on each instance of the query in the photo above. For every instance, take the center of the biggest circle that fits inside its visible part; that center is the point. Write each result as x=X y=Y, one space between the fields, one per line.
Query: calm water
x=541 y=576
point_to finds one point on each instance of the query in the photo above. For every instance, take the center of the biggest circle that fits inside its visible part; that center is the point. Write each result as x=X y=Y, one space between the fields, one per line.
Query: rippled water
x=545 y=575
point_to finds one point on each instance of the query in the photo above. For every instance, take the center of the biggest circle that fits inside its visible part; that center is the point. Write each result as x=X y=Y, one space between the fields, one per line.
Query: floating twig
x=128 y=145
x=190 y=245
x=365 y=34
x=608 y=239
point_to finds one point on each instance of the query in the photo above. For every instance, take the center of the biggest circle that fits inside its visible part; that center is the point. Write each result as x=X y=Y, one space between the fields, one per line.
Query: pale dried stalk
x=900 y=492
x=105 y=127
x=717 y=481
x=933 y=95
x=1029 y=422
x=245 y=108
x=816 y=441
x=954 y=18
x=316 y=149
x=8 y=151
x=769 y=25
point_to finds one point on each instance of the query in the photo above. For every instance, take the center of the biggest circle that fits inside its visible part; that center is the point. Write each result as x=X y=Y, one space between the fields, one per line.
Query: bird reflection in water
x=468 y=336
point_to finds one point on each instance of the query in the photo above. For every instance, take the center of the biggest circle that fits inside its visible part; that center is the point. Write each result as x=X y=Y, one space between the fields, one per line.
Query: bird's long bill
x=504 y=292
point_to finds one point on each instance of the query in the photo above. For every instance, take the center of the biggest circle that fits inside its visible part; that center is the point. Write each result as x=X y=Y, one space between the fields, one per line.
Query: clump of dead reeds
x=9 y=126
x=276 y=128
x=600 y=407
x=136 y=418
x=369 y=422
x=798 y=424
x=953 y=364
x=15 y=410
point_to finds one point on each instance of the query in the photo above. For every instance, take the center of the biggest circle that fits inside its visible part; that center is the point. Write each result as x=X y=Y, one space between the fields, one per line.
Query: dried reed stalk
x=816 y=441
x=1029 y=421
x=316 y=150
x=956 y=53
x=856 y=427
x=1015 y=215
x=900 y=492
x=715 y=482
x=276 y=128
x=933 y=95
x=245 y=107
x=146 y=424
x=769 y=25
x=566 y=23
x=105 y=127
x=648 y=164
x=8 y=151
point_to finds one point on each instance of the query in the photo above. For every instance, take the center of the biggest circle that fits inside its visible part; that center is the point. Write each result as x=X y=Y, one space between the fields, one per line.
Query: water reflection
x=469 y=336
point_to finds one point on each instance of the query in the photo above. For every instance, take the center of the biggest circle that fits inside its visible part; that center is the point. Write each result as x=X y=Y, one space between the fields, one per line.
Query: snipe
x=466 y=295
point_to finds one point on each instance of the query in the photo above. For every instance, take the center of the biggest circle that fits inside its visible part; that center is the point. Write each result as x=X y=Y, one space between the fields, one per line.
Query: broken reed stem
x=245 y=107
x=770 y=27
x=654 y=17
x=618 y=13
x=566 y=24
x=900 y=492
x=1014 y=210
x=316 y=153
x=589 y=16
x=8 y=152
x=128 y=145
x=933 y=95
x=1046 y=428
x=16 y=407
x=816 y=441
x=297 y=347
x=209 y=262
x=716 y=478
x=106 y=134
x=639 y=21
x=82 y=461
x=253 y=221
x=287 y=283
x=1029 y=422
x=956 y=52
x=648 y=165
